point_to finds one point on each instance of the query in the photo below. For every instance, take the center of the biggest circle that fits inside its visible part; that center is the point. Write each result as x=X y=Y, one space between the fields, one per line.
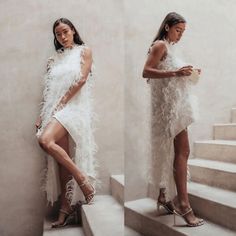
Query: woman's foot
x=186 y=212
x=64 y=218
x=161 y=201
x=88 y=191
x=168 y=206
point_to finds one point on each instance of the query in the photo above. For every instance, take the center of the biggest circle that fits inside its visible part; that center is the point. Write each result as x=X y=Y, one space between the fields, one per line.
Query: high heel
x=69 y=218
x=89 y=198
x=199 y=223
x=158 y=207
x=77 y=213
x=161 y=202
x=166 y=205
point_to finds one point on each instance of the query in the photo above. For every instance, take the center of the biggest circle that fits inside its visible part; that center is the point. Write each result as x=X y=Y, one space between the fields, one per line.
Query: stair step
x=117 y=187
x=215 y=204
x=225 y=131
x=233 y=115
x=213 y=173
x=218 y=150
x=69 y=230
x=141 y=215
x=104 y=217
x=131 y=232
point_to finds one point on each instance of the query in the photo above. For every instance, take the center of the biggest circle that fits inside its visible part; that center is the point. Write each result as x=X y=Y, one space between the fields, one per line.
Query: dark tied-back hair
x=171 y=19
x=77 y=38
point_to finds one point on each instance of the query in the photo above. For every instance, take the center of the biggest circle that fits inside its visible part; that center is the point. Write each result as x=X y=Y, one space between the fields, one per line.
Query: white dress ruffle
x=174 y=108
x=77 y=116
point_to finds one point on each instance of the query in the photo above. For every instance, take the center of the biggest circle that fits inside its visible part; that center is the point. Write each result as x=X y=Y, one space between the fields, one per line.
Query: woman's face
x=64 y=35
x=175 y=32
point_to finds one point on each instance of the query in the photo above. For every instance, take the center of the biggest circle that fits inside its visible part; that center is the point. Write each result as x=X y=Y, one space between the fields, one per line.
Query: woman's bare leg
x=53 y=133
x=65 y=176
x=181 y=146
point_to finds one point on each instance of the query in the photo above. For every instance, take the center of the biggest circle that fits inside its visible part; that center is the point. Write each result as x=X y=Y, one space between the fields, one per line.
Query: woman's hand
x=184 y=71
x=38 y=123
x=199 y=71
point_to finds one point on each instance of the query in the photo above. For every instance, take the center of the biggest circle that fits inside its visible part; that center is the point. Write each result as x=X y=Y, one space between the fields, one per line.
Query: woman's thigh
x=54 y=131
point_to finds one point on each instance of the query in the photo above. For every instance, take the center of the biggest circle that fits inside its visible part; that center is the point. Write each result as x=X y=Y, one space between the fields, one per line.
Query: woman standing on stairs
x=65 y=122
x=172 y=112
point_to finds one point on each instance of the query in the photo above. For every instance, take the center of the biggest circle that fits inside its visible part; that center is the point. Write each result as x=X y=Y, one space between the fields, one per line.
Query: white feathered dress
x=64 y=70
x=174 y=108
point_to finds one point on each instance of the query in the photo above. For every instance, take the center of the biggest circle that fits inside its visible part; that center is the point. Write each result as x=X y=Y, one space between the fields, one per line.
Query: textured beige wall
x=26 y=41
x=137 y=102
x=207 y=43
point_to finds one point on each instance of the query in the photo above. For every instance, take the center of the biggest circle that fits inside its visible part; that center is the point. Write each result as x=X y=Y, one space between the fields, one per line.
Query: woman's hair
x=171 y=19
x=77 y=38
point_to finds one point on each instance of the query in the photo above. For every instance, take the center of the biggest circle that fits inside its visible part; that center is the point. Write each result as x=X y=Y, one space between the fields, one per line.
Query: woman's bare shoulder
x=158 y=46
x=87 y=51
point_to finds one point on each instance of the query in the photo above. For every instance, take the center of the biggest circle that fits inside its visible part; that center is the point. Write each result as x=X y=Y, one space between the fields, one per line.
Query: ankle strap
x=83 y=183
x=64 y=211
x=188 y=211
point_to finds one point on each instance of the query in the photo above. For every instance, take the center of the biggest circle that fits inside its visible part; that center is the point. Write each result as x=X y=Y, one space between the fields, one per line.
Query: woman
x=65 y=122
x=173 y=112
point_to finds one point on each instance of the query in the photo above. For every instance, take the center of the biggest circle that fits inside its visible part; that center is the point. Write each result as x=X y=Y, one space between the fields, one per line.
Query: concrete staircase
x=212 y=191
x=68 y=230
x=106 y=216
x=142 y=216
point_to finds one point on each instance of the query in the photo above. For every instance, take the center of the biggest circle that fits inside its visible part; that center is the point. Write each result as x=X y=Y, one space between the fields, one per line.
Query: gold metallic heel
x=174 y=218
x=158 y=207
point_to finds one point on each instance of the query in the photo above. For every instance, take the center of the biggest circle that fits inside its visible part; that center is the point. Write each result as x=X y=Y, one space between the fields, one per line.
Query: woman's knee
x=184 y=152
x=181 y=145
x=45 y=142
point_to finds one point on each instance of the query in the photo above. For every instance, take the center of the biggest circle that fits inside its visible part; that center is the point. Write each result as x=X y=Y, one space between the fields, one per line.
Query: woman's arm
x=38 y=122
x=85 y=70
x=155 y=56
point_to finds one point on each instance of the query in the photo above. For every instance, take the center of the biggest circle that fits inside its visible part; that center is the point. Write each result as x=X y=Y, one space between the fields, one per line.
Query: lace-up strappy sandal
x=89 y=198
x=198 y=223
x=69 y=219
x=167 y=205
